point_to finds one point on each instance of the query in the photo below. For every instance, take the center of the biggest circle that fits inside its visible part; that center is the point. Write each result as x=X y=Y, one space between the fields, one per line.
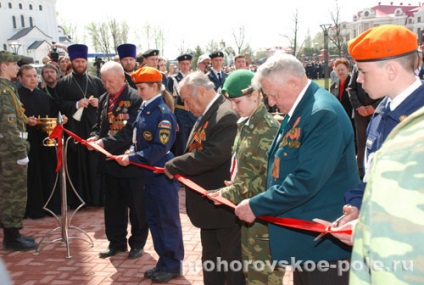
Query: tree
x=239 y=38
x=118 y=32
x=336 y=31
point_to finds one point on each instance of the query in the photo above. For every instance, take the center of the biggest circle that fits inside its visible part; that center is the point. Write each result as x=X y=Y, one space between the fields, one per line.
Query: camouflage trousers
x=255 y=249
x=13 y=192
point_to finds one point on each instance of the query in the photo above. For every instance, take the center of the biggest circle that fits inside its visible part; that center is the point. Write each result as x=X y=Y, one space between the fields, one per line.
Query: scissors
x=328 y=228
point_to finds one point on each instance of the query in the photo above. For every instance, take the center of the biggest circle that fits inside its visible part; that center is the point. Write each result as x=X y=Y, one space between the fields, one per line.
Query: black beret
x=150 y=52
x=217 y=53
x=185 y=56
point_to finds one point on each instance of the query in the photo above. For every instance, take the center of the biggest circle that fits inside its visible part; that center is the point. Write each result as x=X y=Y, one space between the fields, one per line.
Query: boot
x=13 y=241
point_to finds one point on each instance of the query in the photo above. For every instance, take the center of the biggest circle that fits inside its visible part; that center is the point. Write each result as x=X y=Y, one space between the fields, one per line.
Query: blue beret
x=217 y=53
x=127 y=50
x=77 y=51
x=150 y=52
x=185 y=56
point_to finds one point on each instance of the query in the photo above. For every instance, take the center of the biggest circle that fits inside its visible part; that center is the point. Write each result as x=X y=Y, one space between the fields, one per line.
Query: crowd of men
x=183 y=123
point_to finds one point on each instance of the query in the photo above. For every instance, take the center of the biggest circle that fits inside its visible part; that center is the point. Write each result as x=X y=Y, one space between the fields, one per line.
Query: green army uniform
x=254 y=138
x=388 y=237
x=13 y=146
x=14 y=149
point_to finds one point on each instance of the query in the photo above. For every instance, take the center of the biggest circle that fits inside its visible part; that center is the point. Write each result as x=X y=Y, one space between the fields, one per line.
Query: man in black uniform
x=124 y=186
x=185 y=119
x=79 y=93
x=127 y=57
x=151 y=58
x=216 y=74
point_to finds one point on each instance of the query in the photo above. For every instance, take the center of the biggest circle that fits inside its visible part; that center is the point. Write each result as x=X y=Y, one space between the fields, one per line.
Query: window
x=4 y=47
x=30 y=6
x=419 y=19
x=20 y=6
x=40 y=7
x=31 y=24
x=14 y=22
x=22 y=21
x=10 y=5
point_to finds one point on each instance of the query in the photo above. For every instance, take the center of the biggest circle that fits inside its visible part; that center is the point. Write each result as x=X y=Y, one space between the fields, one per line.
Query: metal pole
x=325 y=29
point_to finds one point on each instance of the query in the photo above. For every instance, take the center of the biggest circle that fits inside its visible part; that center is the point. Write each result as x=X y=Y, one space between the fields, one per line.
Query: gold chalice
x=48 y=124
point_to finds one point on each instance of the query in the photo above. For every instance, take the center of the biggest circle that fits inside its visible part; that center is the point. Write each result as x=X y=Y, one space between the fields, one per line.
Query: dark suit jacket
x=357 y=95
x=209 y=167
x=335 y=89
x=313 y=177
x=128 y=103
x=218 y=83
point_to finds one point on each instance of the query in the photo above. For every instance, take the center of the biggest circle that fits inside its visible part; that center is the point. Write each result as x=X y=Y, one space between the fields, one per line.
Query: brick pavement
x=51 y=266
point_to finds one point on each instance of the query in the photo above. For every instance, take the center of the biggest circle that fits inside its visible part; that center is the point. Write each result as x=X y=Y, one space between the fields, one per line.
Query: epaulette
x=163 y=108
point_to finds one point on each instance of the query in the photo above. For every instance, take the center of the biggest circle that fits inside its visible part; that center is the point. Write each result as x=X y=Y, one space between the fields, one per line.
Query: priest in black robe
x=42 y=159
x=79 y=93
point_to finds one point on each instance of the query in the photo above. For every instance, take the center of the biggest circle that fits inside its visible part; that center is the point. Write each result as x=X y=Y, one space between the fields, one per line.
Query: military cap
x=238 y=84
x=7 y=56
x=382 y=43
x=150 y=52
x=146 y=74
x=77 y=51
x=217 y=53
x=127 y=50
x=185 y=56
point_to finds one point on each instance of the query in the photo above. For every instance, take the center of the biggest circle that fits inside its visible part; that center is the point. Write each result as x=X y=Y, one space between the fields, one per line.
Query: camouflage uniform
x=13 y=146
x=388 y=237
x=252 y=142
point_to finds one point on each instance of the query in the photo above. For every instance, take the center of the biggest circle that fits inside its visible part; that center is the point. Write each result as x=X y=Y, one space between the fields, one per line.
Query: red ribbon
x=285 y=222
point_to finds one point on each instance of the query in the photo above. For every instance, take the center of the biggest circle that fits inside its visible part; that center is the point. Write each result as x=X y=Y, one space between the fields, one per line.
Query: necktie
x=143 y=105
x=219 y=76
x=283 y=124
x=112 y=102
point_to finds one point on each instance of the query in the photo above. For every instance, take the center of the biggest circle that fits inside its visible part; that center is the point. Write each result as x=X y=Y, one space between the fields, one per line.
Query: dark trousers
x=162 y=206
x=332 y=276
x=361 y=124
x=224 y=244
x=186 y=121
x=124 y=198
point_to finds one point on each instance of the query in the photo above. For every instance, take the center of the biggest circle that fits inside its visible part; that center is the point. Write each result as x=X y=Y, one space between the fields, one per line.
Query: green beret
x=6 y=56
x=238 y=83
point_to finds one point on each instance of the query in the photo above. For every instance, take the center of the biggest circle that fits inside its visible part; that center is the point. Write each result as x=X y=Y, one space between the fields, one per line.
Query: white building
x=29 y=27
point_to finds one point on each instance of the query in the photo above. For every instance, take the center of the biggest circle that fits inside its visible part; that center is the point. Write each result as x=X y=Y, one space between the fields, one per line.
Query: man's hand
x=345 y=238
x=169 y=175
x=350 y=213
x=123 y=160
x=244 y=212
x=94 y=101
x=362 y=111
x=92 y=140
x=32 y=121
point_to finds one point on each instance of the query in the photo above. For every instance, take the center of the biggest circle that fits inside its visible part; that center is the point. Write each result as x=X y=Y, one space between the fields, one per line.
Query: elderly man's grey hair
x=196 y=79
x=279 y=63
x=112 y=66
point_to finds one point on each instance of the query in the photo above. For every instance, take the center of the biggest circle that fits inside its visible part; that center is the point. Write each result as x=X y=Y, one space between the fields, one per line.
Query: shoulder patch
x=11 y=118
x=147 y=135
x=165 y=124
x=164 y=136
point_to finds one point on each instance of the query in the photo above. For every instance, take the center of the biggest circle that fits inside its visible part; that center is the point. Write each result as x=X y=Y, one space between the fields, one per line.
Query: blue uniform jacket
x=212 y=77
x=154 y=134
x=317 y=165
x=380 y=126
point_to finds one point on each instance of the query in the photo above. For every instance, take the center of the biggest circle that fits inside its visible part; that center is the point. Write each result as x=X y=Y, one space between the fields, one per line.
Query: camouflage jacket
x=12 y=122
x=388 y=237
x=252 y=142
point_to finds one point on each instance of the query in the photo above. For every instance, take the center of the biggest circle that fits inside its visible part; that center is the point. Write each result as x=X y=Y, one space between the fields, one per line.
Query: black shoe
x=111 y=252
x=162 y=277
x=135 y=253
x=19 y=244
x=149 y=273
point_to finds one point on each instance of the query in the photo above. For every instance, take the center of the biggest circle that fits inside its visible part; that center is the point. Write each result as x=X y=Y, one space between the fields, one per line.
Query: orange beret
x=146 y=74
x=382 y=43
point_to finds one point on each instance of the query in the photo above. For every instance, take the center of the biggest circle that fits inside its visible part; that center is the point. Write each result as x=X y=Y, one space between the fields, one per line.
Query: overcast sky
x=189 y=23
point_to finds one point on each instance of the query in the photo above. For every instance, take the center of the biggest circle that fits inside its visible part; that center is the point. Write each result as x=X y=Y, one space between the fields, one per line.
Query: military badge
x=164 y=135
x=165 y=124
x=198 y=137
x=291 y=138
x=11 y=118
x=123 y=105
x=147 y=135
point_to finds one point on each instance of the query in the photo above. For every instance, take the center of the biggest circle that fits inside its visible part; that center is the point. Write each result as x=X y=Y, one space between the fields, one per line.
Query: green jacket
x=12 y=122
x=389 y=234
x=250 y=146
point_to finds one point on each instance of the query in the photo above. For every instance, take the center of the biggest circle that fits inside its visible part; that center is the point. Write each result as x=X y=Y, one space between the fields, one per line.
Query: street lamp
x=15 y=46
x=325 y=28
